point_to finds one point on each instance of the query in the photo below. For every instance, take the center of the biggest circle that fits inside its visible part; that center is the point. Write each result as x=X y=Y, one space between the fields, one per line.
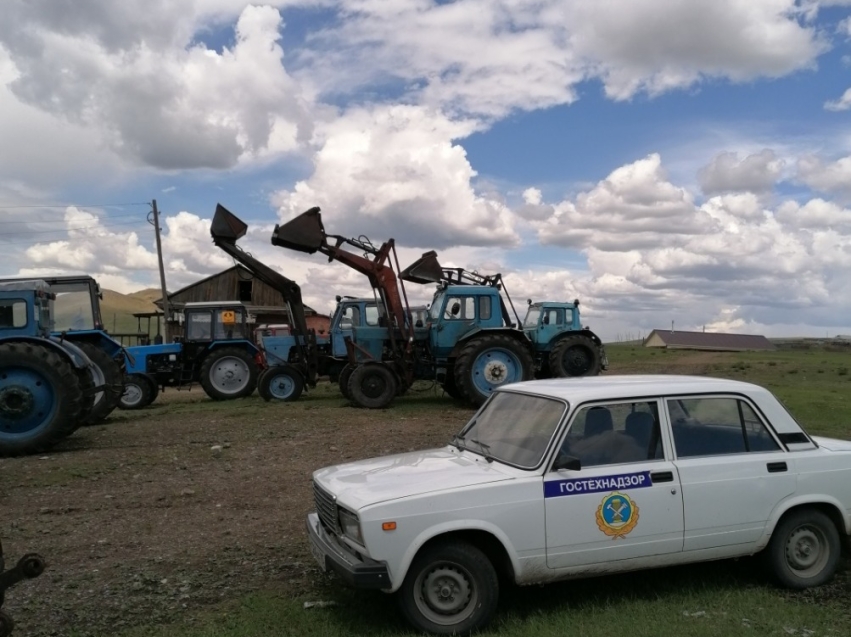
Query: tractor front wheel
x=491 y=361
x=139 y=392
x=575 y=356
x=228 y=373
x=372 y=385
x=281 y=382
x=40 y=398
x=345 y=374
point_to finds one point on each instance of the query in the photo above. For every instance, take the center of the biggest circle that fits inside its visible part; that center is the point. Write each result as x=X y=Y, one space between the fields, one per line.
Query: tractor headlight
x=350 y=525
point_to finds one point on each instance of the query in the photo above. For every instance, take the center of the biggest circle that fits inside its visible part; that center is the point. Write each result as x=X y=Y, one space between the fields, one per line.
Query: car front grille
x=326 y=507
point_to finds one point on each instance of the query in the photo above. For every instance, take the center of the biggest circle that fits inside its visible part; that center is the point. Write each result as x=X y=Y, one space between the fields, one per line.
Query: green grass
x=714 y=599
x=813 y=384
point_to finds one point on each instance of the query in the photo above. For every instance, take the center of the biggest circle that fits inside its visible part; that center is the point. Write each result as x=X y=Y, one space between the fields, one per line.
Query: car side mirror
x=566 y=463
x=455 y=309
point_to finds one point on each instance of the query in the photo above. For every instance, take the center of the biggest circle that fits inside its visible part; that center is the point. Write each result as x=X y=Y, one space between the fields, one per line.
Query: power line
x=6 y=223
x=73 y=205
x=69 y=229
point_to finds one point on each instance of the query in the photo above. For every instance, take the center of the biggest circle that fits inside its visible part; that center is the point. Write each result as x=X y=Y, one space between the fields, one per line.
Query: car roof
x=585 y=388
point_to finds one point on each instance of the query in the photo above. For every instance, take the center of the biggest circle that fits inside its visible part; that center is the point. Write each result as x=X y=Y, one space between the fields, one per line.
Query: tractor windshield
x=72 y=309
x=513 y=428
x=436 y=306
x=532 y=317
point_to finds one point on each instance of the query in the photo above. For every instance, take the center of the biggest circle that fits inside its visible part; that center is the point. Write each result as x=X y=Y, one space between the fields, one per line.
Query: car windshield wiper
x=457 y=440
x=486 y=449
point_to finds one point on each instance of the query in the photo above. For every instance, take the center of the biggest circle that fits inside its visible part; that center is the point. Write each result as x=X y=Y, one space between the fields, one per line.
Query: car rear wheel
x=451 y=588
x=804 y=549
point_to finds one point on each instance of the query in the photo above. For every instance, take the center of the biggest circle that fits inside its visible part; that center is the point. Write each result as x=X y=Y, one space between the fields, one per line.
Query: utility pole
x=156 y=224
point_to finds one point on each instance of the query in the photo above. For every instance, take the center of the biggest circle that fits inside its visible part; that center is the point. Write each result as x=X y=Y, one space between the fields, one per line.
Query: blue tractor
x=468 y=307
x=47 y=383
x=563 y=346
x=77 y=318
x=215 y=350
x=467 y=342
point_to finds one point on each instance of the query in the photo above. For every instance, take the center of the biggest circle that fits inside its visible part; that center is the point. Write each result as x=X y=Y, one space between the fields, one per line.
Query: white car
x=569 y=478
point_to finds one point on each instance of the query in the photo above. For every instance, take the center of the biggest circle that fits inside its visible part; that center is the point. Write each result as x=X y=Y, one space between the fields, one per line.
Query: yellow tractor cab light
x=388 y=526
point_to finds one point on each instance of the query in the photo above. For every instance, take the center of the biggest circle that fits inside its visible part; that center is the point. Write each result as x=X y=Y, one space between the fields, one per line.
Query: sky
x=666 y=162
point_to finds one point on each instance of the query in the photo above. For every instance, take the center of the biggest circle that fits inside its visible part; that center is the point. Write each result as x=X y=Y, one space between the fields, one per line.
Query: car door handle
x=662 y=476
x=776 y=467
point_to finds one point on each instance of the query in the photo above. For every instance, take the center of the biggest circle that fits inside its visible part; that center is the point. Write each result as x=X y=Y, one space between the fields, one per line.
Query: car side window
x=615 y=433
x=717 y=426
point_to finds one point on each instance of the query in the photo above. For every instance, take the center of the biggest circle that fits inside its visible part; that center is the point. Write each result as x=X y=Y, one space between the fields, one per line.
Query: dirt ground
x=142 y=521
x=167 y=511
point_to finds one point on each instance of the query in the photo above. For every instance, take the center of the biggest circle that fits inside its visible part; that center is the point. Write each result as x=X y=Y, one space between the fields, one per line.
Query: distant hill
x=117 y=310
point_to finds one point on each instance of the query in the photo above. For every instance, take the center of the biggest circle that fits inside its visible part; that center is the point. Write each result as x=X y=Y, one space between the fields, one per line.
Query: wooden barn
x=712 y=341
x=265 y=304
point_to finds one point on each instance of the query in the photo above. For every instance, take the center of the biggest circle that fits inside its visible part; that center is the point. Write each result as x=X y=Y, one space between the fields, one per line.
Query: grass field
x=161 y=523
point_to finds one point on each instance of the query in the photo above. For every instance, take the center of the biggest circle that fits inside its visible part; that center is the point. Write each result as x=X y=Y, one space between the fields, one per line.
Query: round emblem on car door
x=617 y=515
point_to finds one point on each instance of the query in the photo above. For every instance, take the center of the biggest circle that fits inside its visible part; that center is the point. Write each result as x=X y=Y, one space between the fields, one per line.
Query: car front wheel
x=451 y=588
x=804 y=549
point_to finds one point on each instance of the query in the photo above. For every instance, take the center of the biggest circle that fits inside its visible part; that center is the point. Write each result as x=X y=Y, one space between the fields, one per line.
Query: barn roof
x=244 y=274
x=711 y=340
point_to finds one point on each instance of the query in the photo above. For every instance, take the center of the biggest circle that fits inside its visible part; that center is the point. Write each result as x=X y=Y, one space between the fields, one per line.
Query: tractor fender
x=563 y=335
x=476 y=331
x=97 y=338
x=67 y=349
x=103 y=342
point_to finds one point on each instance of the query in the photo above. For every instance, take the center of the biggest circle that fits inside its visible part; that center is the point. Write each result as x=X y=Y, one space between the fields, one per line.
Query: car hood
x=359 y=484
x=832 y=444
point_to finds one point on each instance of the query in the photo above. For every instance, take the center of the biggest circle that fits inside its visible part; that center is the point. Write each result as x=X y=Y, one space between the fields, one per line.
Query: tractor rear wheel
x=345 y=374
x=113 y=380
x=490 y=361
x=575 y=356
x=281 y=382
x=227 y=373
x=139 y=392
x=372 y=385
x=40 y=398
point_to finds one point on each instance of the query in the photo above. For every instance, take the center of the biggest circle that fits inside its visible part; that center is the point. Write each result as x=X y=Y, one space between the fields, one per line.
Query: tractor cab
x=544 y=321
x=215 y=321
x=25 y=309
x=460 y=310
x=77 y=304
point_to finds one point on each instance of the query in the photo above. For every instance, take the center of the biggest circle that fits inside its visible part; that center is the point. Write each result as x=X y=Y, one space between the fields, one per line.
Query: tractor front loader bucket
x=305 y=233
x=29 y=566
x=226 y=226
x=424 y=270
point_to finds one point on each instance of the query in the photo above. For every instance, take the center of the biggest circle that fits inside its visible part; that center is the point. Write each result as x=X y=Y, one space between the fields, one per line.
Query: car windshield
x=513 y=428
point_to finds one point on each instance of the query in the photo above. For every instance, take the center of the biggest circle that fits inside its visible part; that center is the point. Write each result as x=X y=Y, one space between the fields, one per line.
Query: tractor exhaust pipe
x=424 y=270
x=226 y=226
x=305 y=233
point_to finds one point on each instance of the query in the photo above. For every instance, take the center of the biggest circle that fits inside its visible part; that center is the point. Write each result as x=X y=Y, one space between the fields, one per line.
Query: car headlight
x=350 y=525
